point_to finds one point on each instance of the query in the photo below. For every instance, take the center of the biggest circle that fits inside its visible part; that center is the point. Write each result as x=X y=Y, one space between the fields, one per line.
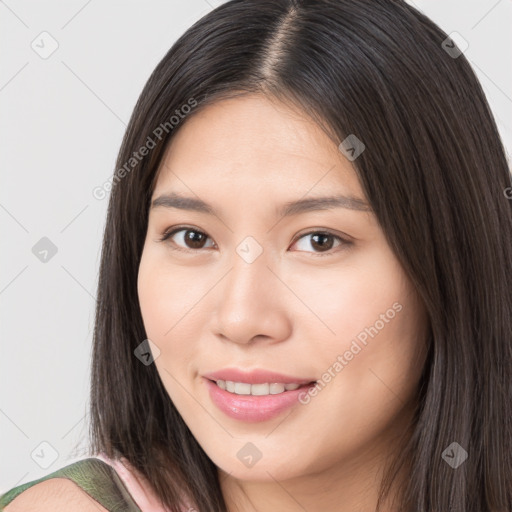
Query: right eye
x=190 y=238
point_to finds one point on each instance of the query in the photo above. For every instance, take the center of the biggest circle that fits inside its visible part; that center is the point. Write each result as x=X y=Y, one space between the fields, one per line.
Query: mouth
x=261 y=389
x=255 y=402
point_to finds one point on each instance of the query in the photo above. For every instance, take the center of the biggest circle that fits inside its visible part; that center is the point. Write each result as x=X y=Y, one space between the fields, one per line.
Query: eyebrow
x=174 y=200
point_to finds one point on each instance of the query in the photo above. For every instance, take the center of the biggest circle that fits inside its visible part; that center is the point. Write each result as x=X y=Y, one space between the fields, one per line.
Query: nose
x=252 y=304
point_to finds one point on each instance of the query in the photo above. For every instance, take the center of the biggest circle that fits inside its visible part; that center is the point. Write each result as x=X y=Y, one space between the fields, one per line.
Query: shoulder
x=89 y=484
x=57 y=495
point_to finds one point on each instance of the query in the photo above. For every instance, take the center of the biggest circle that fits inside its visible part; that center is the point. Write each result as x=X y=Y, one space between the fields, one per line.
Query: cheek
x=165 y=320
x=354 y=295
x=151 y=291
x=165 y=293
x=157 y=291
x=377 y=326
x=167 y=298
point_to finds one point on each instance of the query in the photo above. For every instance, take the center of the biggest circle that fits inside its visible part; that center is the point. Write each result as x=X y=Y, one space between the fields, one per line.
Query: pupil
x=321 y=244
x=194 y=238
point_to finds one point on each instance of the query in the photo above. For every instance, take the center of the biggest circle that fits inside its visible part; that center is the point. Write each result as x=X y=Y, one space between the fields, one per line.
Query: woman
x=304 y=299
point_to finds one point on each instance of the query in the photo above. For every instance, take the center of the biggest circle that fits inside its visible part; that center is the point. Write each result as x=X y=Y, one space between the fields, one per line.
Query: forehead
x=251 y=145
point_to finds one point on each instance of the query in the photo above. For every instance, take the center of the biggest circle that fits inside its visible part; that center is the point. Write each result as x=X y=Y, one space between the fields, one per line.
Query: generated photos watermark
x=358 y=344
x=101 y=191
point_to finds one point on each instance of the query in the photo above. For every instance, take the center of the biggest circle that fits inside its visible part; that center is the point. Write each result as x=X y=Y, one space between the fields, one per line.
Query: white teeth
x=243 y=388
x=276 y=388
x=259 y=389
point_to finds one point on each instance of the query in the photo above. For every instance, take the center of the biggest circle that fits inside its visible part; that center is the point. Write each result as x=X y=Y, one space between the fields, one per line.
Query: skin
x=294 y=309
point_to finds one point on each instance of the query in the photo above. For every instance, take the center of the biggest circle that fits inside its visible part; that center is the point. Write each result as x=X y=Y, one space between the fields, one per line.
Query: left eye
x=193 y=240
x=322 y=240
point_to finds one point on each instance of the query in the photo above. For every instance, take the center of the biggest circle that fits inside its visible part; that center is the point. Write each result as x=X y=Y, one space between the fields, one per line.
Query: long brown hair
x=434 y=171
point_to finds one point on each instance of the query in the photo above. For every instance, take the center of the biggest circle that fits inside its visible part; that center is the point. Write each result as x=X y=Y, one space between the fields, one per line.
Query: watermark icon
x=249 y=249
x=44 y=454
x=454 y=45
x=507 y=192
x=101 y=191
x=44 y=250
x=454 y=455
x=147 y=352
x=348 y=355
x=249 y=454
x=44 y=45
x=351 y=147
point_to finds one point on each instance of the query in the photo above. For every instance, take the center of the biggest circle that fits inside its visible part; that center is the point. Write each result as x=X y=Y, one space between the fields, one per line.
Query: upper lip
x=256 y=376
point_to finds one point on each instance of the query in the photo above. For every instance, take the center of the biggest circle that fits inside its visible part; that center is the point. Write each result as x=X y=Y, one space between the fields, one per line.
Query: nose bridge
x=249 y=301
x=249 y=275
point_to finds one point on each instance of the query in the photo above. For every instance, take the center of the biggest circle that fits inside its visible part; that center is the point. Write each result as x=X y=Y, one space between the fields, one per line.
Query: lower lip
x=252 y=408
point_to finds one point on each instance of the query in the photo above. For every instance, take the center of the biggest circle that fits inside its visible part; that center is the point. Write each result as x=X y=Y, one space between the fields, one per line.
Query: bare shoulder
x=56 y=495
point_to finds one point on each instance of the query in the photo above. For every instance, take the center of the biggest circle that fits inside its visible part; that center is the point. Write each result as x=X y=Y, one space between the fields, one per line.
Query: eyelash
x=176 y=229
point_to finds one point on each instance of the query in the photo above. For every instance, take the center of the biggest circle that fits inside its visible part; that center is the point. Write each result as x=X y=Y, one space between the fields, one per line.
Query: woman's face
x=312 y=294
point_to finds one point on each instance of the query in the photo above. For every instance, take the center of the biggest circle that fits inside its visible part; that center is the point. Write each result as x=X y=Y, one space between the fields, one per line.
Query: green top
x=95 y=477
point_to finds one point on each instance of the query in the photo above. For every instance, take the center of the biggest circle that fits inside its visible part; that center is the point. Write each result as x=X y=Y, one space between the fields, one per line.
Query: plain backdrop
x=62 y=119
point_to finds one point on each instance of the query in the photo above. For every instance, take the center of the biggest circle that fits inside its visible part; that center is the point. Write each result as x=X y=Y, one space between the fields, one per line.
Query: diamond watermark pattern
x=44 y=45
x=249 y=249
x=454 y=45
x=249 y=455
x=454 y=455
x=44 y=454
x=147 y=352
x=351 y=147
x=44 y=250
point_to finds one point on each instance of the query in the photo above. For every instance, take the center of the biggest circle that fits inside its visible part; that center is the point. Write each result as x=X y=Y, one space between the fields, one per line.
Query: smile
x=254 y=402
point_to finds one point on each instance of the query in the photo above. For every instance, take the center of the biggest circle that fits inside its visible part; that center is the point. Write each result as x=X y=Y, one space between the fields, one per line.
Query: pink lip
x=255 y=377
x=253 y=408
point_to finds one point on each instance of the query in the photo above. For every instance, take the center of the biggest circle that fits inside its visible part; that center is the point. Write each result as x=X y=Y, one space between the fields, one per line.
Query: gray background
x=63 y=118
